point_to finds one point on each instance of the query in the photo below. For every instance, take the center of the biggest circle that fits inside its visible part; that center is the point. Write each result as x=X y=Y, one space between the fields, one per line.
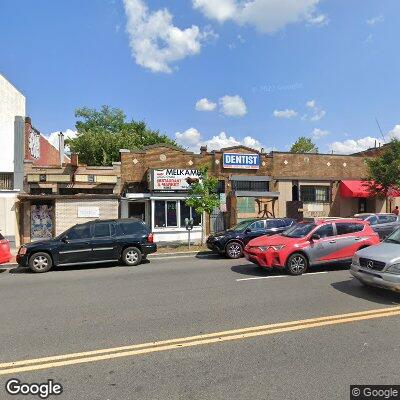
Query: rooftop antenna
x=380 y=129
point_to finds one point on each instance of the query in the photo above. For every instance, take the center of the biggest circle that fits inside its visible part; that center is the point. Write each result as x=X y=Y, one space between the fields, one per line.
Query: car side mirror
x=315 y=237
x=65 y=239
x=247 y=230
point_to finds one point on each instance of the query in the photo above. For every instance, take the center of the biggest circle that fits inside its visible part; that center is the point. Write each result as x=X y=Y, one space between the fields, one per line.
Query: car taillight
x=3 y=241
x=150 y=238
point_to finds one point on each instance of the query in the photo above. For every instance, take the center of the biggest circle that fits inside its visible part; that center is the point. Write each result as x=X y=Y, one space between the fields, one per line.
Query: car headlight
x=356 y=260
x=276 y=247
x=394 y=269
x=22 y=251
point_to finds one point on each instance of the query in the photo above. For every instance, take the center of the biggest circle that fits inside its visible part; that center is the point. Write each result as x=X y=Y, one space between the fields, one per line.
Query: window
x=287 y=222
x=324 y=231
x=373 y=220
x=314 y=194
x=134 y=227
x=299 y=230
x=79 y=232
x=171 y=214
x=387 y=219
x=252 y=186
x=344 y=228
x=257 y=226
x=159 y=214
x=221 y=186
x=102 y=229
x=188 y=212
x=272 y=223
x=246 y=205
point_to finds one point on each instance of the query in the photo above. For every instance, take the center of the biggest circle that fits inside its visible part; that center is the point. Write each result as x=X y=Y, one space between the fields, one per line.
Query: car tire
x=40 y=262
x=131 y=256
x=296 y=264
x=234 y=250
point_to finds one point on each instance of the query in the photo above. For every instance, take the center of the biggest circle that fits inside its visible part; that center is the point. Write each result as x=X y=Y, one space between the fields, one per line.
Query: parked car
x=127 y=240
x=232 y=241
x=5 y=251
x=379 y=265
x=311 y=243
x=382 y=223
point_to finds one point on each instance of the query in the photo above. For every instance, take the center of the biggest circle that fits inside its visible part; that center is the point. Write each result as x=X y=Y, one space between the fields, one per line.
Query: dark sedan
x=232 y=241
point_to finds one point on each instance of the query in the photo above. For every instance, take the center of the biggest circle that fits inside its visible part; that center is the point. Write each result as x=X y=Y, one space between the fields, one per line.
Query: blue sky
x=271 y=71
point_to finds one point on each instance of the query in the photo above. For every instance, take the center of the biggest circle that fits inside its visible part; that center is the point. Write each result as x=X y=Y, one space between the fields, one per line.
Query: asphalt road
x=83 y=309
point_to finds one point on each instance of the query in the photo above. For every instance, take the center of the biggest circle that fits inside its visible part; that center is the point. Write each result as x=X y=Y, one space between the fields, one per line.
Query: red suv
x=311 y=243
x=5 y=253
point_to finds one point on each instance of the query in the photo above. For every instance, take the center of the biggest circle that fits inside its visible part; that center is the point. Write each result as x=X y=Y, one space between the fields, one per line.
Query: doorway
x=137 y=209
x=362 y=205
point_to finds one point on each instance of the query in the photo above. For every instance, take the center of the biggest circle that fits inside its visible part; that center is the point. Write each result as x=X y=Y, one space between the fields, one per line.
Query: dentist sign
x=239 y=161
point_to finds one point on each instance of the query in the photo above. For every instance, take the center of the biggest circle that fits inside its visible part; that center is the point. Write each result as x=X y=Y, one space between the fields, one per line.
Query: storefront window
x=314 y=194
x=188 y=212
x=171 y=214
x=159 y=214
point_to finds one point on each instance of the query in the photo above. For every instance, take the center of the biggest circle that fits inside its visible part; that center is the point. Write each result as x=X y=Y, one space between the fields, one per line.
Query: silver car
x=379 y=265
x=382 y=223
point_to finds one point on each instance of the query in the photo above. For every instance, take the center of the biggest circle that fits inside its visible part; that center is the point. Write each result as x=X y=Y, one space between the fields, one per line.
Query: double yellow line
x=179 y=343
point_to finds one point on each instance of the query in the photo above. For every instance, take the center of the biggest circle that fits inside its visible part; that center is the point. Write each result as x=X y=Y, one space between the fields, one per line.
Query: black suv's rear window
x=134 y=227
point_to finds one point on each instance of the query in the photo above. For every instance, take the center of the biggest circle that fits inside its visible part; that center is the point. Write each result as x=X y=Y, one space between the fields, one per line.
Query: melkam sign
x=172 y=179
x=237 y=160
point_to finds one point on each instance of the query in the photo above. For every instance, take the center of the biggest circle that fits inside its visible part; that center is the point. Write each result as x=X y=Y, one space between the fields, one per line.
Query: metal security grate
x=6 y=181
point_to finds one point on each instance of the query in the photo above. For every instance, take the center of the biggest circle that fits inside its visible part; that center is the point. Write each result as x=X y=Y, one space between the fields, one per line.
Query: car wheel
x=131 y=256
x=40 y=262
x=234 y=250
x=296 y=264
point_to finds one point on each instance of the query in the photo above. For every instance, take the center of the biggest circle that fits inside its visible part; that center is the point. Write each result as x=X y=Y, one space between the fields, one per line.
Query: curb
x=8 y=266
x=181 y=254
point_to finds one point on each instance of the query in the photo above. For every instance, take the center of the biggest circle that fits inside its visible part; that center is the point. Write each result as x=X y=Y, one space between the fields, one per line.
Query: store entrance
x=137 y=209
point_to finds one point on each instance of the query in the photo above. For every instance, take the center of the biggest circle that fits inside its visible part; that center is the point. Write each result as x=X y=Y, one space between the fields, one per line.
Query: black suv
x=232 y=241
x=126 y=240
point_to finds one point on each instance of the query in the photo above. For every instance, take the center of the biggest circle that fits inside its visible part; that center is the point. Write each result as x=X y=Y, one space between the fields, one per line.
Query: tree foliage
x=304 y=145
x=384 y=170
x=102 y=133
x=202 y=196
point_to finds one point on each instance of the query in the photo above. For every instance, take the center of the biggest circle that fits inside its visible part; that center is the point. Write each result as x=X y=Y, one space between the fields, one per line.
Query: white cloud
x=205 y=105
x=310 y=104
x=155 y=42
x=319 y=114
x=267 y=16
x=318 y=20
x=350 y=146
x=68 y=134
x=394 y=133
x=232 y=106
x=375 y=20
x=192 y=139
x=284 y=113
x=319 y=133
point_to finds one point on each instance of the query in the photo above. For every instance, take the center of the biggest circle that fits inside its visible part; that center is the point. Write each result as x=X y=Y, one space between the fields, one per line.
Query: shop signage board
x=241 y=161
x=172 y=179
x=88 y=212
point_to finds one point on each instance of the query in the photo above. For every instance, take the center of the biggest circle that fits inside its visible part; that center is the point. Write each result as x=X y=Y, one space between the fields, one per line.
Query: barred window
x=314 y=194
x=251 y=186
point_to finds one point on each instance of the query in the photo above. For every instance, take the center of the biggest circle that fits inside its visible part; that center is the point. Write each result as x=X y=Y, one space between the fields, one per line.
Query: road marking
x=278 y=276
x=191 y=341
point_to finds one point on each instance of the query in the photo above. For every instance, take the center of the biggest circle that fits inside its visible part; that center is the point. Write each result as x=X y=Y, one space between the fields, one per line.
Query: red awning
x=361 y=189
x=355 y=189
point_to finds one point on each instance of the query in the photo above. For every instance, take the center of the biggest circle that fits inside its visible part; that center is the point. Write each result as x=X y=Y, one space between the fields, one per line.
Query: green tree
x=202 y=196
x=384 y=170
x=304 y=145
x=102 y=133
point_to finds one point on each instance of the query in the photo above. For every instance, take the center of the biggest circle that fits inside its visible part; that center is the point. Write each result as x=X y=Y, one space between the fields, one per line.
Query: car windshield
x=363 y=216
x=241 y=226
x=299 y=230
x=394 y=237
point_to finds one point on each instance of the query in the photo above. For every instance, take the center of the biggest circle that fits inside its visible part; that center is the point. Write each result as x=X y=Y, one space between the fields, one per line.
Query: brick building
x=154 y=186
